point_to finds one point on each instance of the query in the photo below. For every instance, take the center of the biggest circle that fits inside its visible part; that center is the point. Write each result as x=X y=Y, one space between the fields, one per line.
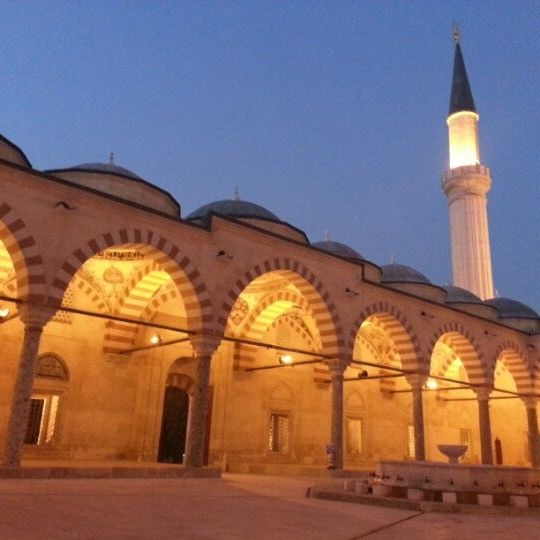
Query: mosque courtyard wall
x=103 y=385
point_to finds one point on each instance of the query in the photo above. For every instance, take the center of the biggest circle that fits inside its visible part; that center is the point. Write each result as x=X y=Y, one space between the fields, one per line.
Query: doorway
x=172 y=442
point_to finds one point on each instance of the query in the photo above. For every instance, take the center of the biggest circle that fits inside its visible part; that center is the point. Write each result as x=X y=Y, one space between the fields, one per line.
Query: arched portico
x=284 y=305
x=22 y=274
x=19 y=251
x=460 y=377
x=514 y=407
x=387 y=365
x=130 y=281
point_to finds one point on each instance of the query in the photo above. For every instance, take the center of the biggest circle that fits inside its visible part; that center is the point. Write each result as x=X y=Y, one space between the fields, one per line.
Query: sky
x=331 y=114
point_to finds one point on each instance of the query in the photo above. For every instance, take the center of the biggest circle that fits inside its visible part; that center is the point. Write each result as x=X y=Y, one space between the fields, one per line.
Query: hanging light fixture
x=4 y=312
x=286 y=359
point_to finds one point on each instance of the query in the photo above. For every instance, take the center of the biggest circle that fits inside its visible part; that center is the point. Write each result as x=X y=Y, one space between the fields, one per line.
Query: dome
x=339 y=249
x=121 y=183
x=508 y=308
x=459 y=295
x=12 y=153
x=399 y=273
x=233 y=208
x=107 y=168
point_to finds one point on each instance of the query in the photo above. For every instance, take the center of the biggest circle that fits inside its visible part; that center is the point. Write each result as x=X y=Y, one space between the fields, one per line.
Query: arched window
x=50 y=385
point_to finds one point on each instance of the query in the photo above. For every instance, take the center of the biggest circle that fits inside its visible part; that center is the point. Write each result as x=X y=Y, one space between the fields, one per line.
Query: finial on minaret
x=111 y=158
x=457 y=33
x=326 y=236
x=236 y=195
x=392 y=258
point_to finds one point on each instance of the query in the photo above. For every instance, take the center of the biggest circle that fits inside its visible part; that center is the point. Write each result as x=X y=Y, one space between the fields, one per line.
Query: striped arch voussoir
x=255 y=327
x=94 y=296
x=314 y=292
x=513 y=357
x=25 y=256
x=398 y=328
x=166 y=255
x=463 y=343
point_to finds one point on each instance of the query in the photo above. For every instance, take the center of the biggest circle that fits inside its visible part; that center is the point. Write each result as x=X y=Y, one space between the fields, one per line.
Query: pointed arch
x=459 y=339
x=269 y=308
x=312 y=289
x=513 y=357
x=121 y=335
x=270 y=312
x=395 y=324
x=186 y=277
x=23 y=250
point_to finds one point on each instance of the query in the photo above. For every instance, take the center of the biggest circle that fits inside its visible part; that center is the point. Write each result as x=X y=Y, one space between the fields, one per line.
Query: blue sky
x=330 y=114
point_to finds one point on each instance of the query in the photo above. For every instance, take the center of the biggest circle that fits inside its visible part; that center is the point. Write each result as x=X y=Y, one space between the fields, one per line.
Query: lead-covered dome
x=508 y=308
x=458 y=295
x=399 y=273
x=120 y=182
x=405 y=278
x=339 y=249
x=233 y=208
x=12 y=153
x=246 y=212
x=465 y=300
x=108 y=168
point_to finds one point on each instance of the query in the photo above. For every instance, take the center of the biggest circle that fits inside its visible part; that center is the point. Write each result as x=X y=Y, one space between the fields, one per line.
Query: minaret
x=466 y=184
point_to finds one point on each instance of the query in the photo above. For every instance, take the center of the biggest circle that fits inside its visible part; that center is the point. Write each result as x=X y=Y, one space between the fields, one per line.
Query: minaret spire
x=461 y=98
x=466 y=184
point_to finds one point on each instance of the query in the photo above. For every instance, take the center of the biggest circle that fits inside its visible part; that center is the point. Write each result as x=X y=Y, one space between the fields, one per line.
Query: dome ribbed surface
x=234 y=208
x=508 y=308
x=337 y=248
x=399 y=273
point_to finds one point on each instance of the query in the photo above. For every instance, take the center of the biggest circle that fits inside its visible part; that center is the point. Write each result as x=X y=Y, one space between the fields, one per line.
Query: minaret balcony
x=466 y=180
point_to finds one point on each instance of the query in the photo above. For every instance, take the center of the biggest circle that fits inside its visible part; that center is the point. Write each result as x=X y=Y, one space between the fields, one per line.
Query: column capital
x=204 y=345
x=336 y=368
x=483 y=392
x=416 y=380
x=35 y=316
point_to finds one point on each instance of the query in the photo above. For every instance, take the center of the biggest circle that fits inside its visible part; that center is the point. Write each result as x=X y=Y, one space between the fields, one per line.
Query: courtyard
x=233 y=507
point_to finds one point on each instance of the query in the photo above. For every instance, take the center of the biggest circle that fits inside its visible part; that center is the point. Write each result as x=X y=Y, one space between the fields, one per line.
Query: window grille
x=354 y=435
x=411 y=450
x=465 y=437
x=279 y=438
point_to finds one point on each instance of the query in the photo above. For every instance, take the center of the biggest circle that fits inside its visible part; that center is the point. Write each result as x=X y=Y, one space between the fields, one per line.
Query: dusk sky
x=330 y=114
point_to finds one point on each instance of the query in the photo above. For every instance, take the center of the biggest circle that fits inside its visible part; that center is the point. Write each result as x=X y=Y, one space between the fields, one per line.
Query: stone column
x=417 y=384
x=336 y=430
x=482 y=395
x=204 y=348
x=532 y=422
x=34 y=319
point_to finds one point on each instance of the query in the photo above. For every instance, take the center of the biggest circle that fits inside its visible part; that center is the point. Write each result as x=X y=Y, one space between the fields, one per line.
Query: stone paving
x=234 y=507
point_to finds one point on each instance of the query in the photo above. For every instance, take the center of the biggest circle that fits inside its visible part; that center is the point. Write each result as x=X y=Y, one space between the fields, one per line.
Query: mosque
x=224 y=337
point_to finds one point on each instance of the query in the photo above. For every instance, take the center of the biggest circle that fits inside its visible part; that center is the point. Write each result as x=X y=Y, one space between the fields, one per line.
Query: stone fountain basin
x=462 y=476
x=452 y=451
